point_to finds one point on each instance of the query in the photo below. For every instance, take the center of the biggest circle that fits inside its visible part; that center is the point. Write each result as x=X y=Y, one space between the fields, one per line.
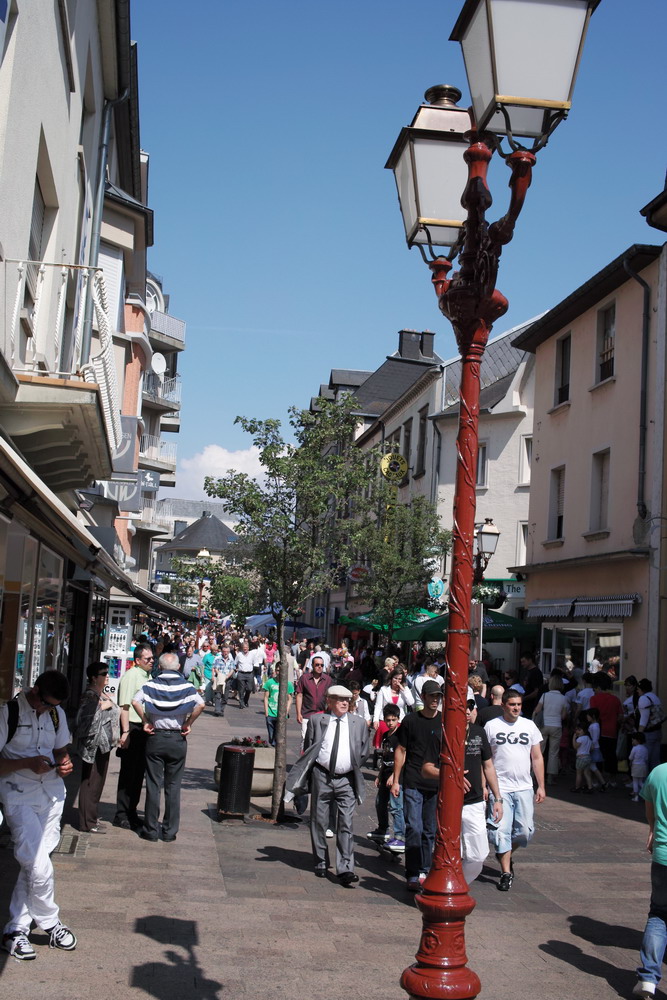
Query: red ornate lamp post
x=529 y=50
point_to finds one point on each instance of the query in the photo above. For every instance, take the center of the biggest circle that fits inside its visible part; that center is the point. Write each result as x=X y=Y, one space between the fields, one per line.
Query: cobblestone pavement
x=232 y=910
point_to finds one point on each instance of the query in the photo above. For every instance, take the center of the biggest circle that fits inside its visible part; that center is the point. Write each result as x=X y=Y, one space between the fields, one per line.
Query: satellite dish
x=159 y=364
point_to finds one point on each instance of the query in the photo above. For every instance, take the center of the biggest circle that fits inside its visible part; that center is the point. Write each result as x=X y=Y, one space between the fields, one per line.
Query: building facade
x=594 y=548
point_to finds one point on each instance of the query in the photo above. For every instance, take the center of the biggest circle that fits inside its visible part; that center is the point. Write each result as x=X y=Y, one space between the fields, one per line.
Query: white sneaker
x=17 y=944
x=329 y=834
x=644 y=989
x=62 y=938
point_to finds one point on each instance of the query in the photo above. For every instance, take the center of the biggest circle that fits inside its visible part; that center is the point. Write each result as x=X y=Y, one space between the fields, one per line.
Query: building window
x=392 y=444
x=407 y=446
x=563 y=352
x=525 y=459
x=599 y=520
x=557 y=503
x=482 y=465
x=421 y=442
x=522 y=543
x=605 y=343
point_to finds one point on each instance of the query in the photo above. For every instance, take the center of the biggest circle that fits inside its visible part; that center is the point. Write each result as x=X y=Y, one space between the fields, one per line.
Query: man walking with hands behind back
x=515 y=745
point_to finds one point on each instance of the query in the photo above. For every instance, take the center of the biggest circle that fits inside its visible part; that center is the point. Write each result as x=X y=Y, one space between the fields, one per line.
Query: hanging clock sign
x=393 y=467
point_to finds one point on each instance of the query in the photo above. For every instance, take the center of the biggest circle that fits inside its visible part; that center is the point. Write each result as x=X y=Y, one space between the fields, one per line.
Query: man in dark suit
x=335 y=747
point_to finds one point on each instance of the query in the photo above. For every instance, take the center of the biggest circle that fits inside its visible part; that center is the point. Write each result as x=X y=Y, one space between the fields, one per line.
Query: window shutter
x=111 y=262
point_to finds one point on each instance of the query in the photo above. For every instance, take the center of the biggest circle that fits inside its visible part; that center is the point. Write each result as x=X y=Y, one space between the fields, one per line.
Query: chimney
x=409 y=344
x=427 y=343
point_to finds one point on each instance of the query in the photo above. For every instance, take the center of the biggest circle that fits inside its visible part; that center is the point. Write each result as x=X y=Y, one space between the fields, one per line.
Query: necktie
x=334 y=750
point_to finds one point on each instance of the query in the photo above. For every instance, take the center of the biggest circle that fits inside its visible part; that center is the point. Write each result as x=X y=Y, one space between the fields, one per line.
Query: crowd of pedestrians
x=368 y=709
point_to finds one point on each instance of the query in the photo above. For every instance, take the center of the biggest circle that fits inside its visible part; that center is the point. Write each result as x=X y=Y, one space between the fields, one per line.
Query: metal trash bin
x=236 y=767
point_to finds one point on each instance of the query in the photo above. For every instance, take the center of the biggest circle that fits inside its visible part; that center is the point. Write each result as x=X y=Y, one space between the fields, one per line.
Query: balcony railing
x=37 y=344
x=156 y=512
x=168 y=325
x=156 y=449
x=167 y=389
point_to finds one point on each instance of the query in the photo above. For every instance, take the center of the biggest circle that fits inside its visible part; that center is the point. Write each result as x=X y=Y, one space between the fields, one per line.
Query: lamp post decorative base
x=440 y=970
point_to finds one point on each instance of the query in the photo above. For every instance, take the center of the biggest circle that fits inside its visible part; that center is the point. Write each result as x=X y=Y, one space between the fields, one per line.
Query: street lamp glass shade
x=430 y=171
x=487 y=538
x=523 y=56
x=203 y=554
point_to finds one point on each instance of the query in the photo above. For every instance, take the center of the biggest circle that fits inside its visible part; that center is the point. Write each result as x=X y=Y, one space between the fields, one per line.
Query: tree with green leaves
x=402 y=549
x=233 y=595
x=296 y=519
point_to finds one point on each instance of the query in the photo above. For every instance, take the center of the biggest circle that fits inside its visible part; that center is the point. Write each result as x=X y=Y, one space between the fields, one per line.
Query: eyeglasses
x=46 y=704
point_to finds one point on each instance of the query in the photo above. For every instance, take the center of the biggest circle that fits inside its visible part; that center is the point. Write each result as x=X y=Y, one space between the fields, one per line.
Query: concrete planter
x=262 y=776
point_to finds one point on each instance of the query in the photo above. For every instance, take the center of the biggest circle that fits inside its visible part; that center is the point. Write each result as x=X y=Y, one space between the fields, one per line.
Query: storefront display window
x=592 y=645
x=46 y=620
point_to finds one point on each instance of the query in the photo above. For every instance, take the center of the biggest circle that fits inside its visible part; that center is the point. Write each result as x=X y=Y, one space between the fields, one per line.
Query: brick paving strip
x=233 y=910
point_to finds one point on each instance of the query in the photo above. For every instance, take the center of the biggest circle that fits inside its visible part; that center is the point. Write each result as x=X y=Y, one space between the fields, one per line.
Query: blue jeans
x=419 y=810
x=386 y=804
x=654 y=941
x=271 y=723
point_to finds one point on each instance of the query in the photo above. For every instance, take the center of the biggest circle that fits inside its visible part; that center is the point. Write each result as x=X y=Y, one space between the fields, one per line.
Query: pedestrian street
x=233 y=910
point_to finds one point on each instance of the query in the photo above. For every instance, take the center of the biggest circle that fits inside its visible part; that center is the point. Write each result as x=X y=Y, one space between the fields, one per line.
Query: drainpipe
x=98 y=210
x=642 y=510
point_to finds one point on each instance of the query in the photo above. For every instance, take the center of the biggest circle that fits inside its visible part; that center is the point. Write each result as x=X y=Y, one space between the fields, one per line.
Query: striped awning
x=606 y=606
x=550 y=607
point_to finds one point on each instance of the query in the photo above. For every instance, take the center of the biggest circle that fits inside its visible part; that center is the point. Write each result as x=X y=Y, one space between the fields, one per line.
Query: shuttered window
x=111 y=262
x=562 y=388
x=36 y=236
x=606 y=341
x=600 y=492
x=557 y=503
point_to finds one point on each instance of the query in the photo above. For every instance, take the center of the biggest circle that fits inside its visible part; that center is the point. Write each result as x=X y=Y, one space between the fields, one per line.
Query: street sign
x=320 y=612
x=357 y=572
x=436 y=587
x=163 y=588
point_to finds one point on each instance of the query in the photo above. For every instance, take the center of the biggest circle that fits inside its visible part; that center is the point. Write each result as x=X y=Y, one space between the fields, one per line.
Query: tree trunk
x=280 y=771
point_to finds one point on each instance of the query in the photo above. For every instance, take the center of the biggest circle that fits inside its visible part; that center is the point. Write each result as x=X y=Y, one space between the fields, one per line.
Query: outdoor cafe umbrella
x=496 y=628
x=403 y=618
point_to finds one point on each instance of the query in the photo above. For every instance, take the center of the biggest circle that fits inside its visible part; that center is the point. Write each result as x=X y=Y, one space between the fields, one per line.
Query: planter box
x=262 y=776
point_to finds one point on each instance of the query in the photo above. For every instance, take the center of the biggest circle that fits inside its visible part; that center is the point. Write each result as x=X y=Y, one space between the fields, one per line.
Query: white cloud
x=213 y=460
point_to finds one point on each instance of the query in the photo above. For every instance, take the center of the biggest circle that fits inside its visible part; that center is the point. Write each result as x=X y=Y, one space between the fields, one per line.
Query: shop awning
x=403 y=618
x=607 y=606
x=495 y=628
x=550 y=607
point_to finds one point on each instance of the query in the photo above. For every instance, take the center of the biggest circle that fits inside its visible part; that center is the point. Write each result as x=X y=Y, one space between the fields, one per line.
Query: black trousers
x=165 y=761
x=131 y=777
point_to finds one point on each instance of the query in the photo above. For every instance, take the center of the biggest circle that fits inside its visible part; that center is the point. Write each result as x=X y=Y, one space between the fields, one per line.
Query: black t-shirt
x=387 y=749
x=478 y=749
x=414 y=733
x=486 y=714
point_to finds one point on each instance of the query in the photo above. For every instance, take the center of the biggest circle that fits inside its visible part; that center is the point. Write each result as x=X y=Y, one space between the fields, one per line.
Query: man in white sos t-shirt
x=515 y=744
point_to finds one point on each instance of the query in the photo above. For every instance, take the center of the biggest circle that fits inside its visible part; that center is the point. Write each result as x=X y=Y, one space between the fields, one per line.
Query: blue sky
x=277 y=230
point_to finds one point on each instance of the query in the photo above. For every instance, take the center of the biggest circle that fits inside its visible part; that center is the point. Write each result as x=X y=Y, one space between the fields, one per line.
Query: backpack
x=13 y=719
x=656 y=715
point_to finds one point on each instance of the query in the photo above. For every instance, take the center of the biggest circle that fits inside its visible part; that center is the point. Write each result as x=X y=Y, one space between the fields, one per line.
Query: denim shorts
x=516 y=827
x=583 y=763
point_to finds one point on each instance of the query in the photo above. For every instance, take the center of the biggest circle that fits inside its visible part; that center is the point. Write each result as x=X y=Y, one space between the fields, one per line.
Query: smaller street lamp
x=486 y=543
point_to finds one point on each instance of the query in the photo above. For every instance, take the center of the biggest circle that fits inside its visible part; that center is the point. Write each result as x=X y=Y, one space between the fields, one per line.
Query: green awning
x=404 y=618
x=496 y=628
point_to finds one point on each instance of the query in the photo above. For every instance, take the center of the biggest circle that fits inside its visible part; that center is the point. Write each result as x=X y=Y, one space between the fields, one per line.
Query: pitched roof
x=208 y=532
x=347 y=376
x=393 y=378
x=501 y=358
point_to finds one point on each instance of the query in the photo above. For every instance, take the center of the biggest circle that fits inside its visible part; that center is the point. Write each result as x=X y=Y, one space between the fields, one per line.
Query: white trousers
x=33 y=817
x=474 y=840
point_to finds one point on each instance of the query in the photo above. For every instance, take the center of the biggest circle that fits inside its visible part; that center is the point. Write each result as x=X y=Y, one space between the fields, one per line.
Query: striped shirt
x=168 y=700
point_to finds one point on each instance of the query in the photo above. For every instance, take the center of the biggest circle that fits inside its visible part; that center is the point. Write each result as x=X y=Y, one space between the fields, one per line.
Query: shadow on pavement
x=615 y=801
x=301 y=860
x=180 y=975
x=621 y=980
x=598 y=933
x=198 y=777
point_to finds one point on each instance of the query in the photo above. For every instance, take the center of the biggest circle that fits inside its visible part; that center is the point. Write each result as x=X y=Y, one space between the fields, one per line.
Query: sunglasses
x=47 y=704
x=470 y=704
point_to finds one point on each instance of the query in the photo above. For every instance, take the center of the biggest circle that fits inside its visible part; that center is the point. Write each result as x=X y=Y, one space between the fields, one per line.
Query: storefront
x=589 y=631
